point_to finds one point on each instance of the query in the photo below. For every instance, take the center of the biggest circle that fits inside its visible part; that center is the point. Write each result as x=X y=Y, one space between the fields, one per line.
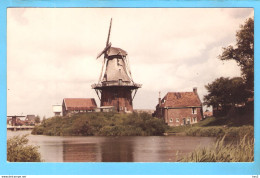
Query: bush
x=19 y=151
x=102 y=124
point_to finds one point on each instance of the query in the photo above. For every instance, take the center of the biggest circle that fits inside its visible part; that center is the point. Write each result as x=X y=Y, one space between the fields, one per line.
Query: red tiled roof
x=79 y=103
x=181 y=99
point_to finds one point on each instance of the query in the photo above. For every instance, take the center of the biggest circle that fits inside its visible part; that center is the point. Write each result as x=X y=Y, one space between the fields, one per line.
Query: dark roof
x=79 y=103
x=113 y=51
x=30 y=117
x=181 y=99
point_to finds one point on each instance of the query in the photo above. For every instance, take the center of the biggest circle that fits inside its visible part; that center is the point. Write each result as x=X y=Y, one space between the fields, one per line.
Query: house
x=180 y=108
x=77 y=105
x=57 y=109
x=30 y=120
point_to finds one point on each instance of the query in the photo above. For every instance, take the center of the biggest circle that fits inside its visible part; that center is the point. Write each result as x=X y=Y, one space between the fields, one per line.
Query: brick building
x=180 y=108
x=77 y=105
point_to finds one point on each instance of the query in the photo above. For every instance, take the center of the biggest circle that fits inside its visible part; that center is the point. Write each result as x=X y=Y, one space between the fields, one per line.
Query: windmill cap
x=116 y=51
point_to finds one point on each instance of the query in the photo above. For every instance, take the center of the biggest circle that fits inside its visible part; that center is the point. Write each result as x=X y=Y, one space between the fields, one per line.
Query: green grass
x=241 y=151
x=102 y=124
x=219 y=131
x=204 y=123
x=217 y=127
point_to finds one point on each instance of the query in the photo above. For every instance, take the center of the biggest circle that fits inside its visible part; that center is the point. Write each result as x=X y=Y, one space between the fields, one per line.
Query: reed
x=241 y=150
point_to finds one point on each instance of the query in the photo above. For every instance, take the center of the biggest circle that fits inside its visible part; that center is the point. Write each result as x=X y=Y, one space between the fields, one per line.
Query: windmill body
x=115 y=86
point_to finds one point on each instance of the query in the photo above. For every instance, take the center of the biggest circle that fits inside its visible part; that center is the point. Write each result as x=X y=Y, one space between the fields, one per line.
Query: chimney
x=195 y=90
x=160 y=100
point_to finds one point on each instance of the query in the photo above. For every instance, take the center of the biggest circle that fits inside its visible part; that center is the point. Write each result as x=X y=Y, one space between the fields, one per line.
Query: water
x=114 y=149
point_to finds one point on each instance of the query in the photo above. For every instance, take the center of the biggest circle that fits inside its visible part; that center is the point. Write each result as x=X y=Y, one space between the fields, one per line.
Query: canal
x=114 y=149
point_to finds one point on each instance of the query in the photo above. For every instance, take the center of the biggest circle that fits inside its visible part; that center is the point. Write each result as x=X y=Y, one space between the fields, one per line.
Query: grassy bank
x=102 y=124
x=218 y=131
x=215 y=127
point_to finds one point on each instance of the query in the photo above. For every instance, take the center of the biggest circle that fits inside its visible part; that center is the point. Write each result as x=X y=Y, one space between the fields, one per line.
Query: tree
x=37 y=119
x=19 y=151
x=225 y=92
x=243 y=52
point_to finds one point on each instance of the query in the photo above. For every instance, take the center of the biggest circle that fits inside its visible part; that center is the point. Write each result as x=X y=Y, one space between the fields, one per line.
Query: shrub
x=103 y=124
x=19 y=151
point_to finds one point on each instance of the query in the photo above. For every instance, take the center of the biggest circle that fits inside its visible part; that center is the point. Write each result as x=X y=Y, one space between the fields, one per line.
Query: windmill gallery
x=116 y=90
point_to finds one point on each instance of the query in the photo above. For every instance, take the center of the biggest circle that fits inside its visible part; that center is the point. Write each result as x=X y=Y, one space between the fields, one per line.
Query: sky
x=51 y=52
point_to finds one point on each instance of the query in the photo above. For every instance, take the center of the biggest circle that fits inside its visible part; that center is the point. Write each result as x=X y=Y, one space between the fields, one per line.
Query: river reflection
x=114 y=149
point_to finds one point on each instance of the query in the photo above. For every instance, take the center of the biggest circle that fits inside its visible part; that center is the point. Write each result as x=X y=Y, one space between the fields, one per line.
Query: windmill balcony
x=116 y=83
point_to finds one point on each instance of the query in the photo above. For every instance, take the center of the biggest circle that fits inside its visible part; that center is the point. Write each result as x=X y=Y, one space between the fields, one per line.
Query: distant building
x=9 y=121
x=29 y=120
x=57 y=109
x=179 y=108
x=77 y=105
x=15 y=121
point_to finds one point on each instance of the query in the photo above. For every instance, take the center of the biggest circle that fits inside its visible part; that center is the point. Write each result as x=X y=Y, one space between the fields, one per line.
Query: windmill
x=115 y=86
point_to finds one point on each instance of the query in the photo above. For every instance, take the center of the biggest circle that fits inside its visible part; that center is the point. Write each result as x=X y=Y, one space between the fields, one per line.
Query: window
x=171 y=120
x=177 y=120
x=194 y=110
x=188 y=120
x=120 y=81
x=184 y=121
x=195 y=119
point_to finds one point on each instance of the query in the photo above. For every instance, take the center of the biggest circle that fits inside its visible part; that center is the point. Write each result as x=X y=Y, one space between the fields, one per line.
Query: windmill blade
x=108 y=44
x=101 y=74
x=104 y=50
x=109 y=32
x=100 y=54
x=128 y=69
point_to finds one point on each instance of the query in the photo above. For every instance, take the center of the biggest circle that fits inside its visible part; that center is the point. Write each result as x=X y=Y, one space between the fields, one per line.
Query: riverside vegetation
x=241 y=150
x=102 y=124
x=235 y=139
x=234 y=134
x=18 y=150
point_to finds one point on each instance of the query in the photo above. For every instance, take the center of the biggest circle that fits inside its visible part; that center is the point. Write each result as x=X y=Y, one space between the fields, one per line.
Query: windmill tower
x=115 y=86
